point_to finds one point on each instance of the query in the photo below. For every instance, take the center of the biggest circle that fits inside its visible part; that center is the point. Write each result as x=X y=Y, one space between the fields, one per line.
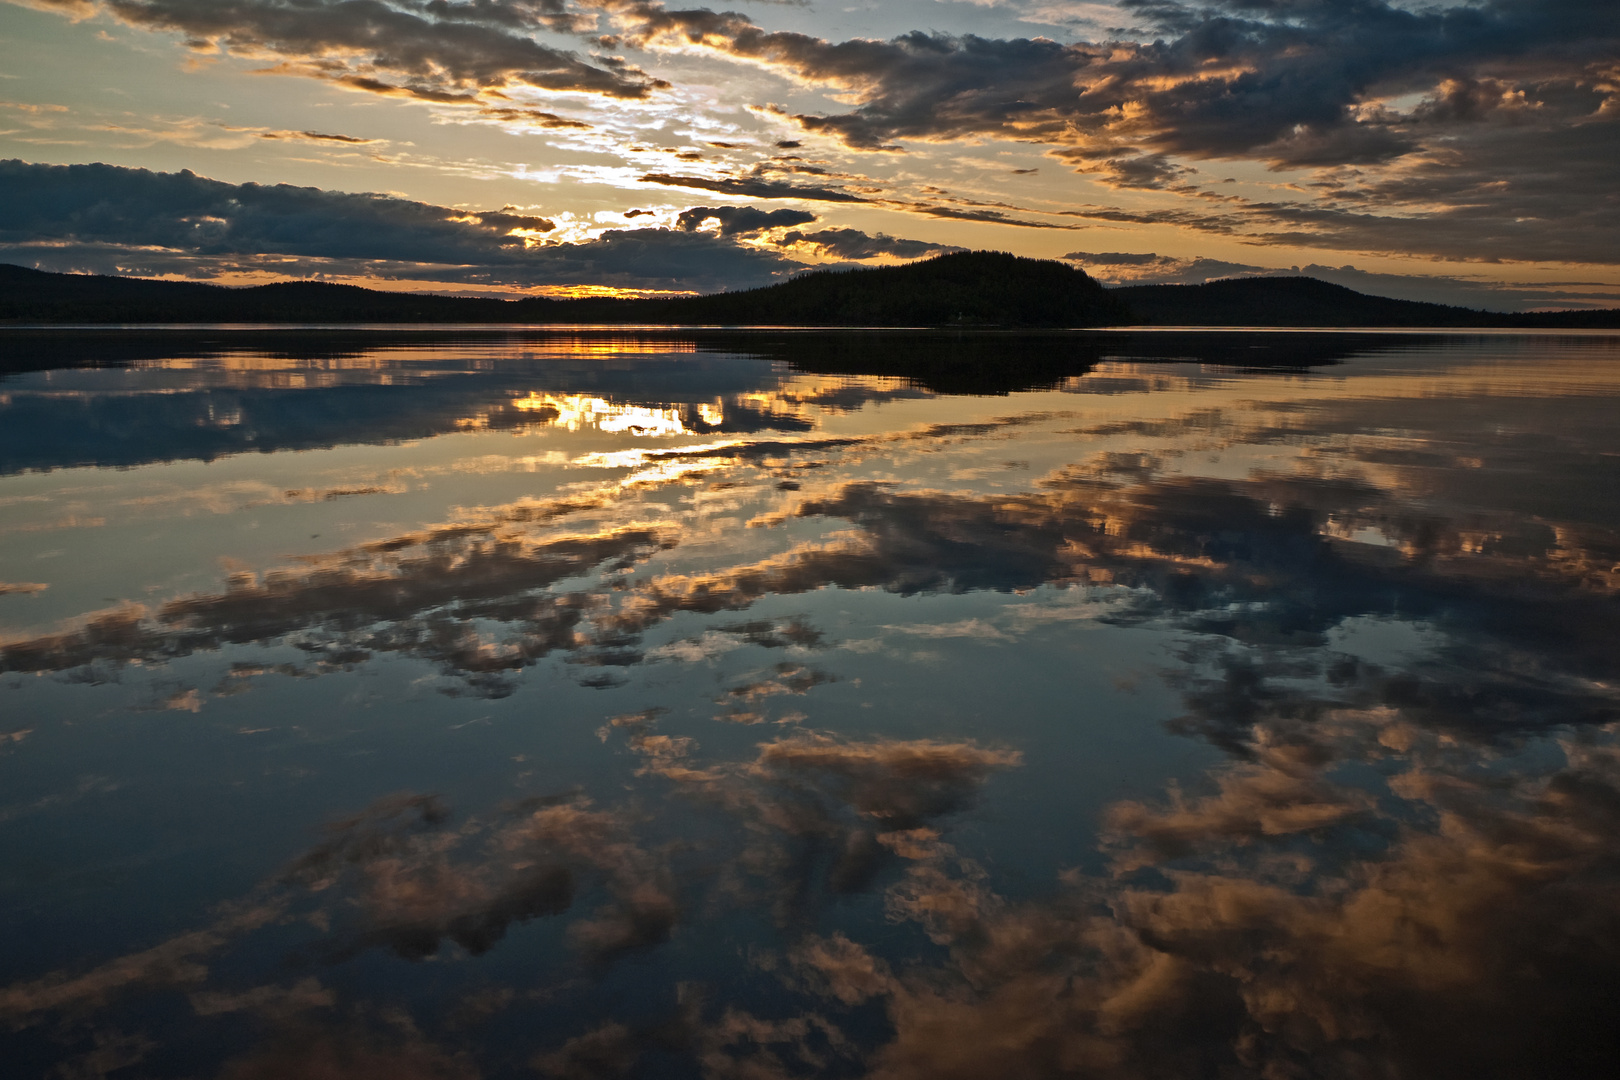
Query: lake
x=452 y=704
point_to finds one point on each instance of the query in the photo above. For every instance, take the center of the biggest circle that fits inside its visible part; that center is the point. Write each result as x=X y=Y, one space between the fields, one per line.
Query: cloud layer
x=443 y=52
x=1470 y=131
x=107 y=219
x=1443 y=130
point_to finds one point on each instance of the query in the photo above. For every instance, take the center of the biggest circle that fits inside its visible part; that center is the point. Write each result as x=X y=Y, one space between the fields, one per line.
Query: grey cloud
x=957 y=213
x=741 y=220
x=786 y=678
x=768 y=634
x=1516 y=127
x=1300 y=68
x=186 y=212
x=1115 y=258
x=1119 y=268
x=855 y=244
x=656 y=259
x=755 y=187
x=532 y=117
x=109 y=219
x=1505 y=156
x=760 y=182
x=512 y=14
x=435 y=51
x=317 y=136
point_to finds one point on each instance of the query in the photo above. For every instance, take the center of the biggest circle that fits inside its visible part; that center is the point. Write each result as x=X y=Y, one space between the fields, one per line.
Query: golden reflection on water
x=842 y=653
x=575 y=412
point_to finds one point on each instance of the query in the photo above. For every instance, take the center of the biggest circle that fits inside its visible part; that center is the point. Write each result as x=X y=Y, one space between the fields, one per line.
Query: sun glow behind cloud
x=1297 y=139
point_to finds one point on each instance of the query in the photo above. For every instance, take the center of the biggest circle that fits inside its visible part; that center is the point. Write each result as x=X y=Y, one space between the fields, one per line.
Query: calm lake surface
x=445 y=705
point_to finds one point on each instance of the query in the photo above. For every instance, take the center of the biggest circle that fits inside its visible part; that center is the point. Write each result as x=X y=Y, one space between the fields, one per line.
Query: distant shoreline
x=688 y=329
x=963 y=292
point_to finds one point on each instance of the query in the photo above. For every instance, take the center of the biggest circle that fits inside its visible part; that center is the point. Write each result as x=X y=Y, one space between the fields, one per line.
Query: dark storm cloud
x=109 y=219
x=442 y=52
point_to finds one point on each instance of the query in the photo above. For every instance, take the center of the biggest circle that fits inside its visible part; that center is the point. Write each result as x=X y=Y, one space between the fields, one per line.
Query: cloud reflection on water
x=1401 y=865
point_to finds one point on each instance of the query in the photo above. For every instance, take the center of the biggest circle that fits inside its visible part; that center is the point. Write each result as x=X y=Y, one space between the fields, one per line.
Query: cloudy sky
x=1455 y=150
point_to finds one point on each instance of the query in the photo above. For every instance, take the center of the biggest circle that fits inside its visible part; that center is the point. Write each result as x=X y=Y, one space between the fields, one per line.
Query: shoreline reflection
x=711 y=734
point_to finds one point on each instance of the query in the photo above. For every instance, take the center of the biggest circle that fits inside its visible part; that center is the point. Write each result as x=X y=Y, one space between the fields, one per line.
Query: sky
x=1460 y=151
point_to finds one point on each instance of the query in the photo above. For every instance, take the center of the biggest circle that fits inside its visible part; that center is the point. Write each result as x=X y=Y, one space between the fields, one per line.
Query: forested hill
x=975 y=289
x=33 y=296
x=967 y=288
x=1304 y=301
x=988 y=288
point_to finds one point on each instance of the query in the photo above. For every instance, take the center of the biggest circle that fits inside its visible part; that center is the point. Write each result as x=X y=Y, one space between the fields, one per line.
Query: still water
x=418 y=705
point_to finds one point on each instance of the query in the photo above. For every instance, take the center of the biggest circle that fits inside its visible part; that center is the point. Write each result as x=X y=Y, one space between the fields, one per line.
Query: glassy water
x=419 y=705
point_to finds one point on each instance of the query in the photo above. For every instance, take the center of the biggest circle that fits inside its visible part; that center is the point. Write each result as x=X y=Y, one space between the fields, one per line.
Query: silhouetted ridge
x=35 y=296
x=965 y=289
x=1305 y=301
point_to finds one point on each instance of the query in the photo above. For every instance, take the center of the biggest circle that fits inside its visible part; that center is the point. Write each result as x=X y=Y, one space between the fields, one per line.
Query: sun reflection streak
x=586 y=412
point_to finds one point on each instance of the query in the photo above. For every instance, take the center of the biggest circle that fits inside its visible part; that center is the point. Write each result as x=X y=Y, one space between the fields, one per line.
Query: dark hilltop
x=983 y=289
x=1306 y=301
